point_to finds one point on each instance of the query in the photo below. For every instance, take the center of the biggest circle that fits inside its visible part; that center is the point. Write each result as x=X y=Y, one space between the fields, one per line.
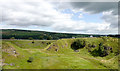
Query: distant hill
x=42 y=35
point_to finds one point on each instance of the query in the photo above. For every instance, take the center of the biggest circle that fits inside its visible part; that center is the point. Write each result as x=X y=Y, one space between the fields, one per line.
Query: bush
x=91 y=45
x=30 y=38
x=12 y=38
x=30 y=59
x=103 y=50
x=117 y=53
x=41 y=37
x=33 y=42
x=49 y=38
x=104 y=38
x=78 y=44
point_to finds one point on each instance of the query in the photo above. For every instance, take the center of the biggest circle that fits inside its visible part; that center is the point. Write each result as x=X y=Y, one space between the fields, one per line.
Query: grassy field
x=57 y=54
x=0 y=54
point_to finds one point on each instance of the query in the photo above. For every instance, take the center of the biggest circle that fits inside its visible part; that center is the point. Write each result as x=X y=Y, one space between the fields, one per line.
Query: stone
x=76 y=50
x=56 y=50
x=49 y=48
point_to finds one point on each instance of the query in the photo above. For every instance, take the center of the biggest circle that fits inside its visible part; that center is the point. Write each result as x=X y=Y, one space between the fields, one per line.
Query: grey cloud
x=23 y=16
x=99 y=7
x=96 y=7
x=47 y=18
x=112 y=19
x=26 y=22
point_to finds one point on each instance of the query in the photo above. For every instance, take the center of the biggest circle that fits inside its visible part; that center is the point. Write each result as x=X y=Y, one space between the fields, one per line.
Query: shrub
x=30 y=59
x=41 y=37
x=48 y=43
x=103 y=50
x=49 y=38
x=91 y=45
x=30 y=38
x=95 y=52
x=117 y=53
x=33 y=42
x=104 y=38
x=78 y=44
x=12 y=38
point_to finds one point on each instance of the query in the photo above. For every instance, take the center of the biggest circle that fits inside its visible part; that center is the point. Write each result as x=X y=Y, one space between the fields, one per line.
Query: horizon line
x=55 y=32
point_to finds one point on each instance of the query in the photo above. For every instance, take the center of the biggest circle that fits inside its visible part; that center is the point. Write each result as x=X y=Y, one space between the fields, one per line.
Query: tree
x=12 y=38
x=41 y=37
x=33 y=42
x=49 y=38
x=30 y=38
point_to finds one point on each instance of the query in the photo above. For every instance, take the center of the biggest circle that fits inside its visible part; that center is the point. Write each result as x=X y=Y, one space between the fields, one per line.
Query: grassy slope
x=64 y=58
x=109 y=61
x=0 y=54
x=38 y=44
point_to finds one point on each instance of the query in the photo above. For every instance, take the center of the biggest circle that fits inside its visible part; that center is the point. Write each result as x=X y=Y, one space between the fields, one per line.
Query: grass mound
x=95 y=46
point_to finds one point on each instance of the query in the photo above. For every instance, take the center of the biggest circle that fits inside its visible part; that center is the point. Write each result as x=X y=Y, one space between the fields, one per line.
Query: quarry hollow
x=73 y=53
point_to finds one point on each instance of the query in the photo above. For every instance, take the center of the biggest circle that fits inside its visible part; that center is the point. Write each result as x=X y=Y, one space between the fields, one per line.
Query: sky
x=65 y=17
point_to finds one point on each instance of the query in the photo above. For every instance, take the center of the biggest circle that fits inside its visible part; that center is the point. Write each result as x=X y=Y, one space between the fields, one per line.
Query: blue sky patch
x=96 y=18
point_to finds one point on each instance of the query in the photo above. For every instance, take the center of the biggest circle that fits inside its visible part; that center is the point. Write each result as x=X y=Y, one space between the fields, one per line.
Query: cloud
x=80 y=16
x=96 y=7
x=24 y=14
x=109 y=10
x=41 y=15
x=81 y=27
x=109 y=17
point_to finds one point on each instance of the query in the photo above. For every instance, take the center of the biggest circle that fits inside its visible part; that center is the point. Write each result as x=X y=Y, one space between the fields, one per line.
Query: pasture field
x=59 y=54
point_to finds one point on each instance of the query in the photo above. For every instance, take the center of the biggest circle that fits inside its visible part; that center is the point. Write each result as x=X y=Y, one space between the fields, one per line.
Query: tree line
x=41 y=35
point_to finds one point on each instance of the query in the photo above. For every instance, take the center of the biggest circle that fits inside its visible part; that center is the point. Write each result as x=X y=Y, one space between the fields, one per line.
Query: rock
x=110 y=48
x=93 y=46
x=18 y=66
x=56 y=50
x=116 y=53
x=89 y=45
x=49 y=48
x=12 y=64
x=15 y=55
x=30 y=59
x=33 y=42
x=76 y=50
x=105 y=47
x=15 y=52
x=66 y=45
x=89 y=50
x=3 y=64
x=48 y=43
x=111 y=51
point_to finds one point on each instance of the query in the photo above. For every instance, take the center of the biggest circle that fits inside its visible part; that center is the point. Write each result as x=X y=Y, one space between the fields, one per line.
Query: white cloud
x=110 y=18
x=44 y=14
x=80 y=16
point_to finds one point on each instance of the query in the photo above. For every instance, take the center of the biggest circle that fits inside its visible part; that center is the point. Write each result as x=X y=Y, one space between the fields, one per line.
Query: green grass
x=64 y=58
x=40 y=44
x=0 y=54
